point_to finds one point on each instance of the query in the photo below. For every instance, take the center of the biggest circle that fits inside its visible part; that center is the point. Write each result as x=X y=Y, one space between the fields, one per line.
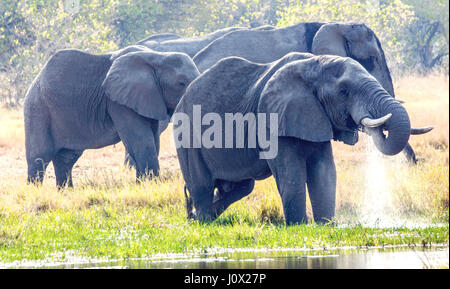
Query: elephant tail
x=188 y=202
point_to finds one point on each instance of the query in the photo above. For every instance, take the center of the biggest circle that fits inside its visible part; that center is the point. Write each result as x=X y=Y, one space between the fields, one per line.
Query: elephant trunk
x=398 y=128
x=392 y=118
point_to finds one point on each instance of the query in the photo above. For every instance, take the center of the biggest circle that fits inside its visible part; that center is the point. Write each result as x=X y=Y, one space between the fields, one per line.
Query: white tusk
x=421 y=130
x=400 y=101
x=370 y=122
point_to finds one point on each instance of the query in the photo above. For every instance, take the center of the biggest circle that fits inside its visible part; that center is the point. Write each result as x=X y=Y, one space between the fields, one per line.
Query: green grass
x=135 y=221
x=108 y=215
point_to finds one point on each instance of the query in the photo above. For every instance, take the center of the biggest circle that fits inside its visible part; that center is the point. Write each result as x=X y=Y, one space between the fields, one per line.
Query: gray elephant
x=170 y=42
x=316 y=99
x=83 y=101
x=262 y=46
x=188 y=45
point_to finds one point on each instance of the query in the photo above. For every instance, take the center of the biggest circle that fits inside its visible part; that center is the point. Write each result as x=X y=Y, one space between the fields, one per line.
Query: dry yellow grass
x=100 y=176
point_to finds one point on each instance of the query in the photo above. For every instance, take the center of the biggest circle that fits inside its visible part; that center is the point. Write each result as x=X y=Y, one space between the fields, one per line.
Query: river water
x=373 y=258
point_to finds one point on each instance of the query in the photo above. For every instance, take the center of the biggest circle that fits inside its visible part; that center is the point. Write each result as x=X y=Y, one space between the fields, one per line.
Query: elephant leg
x=236 y=191
x=129 y=161
x=201 y=198
x=199 y=183
x=289 y=171
x=140 y=137
x=321 y=181
x=162 y=125
x=63 y=163
x=37 y=164
x=409 y=154
x=39 y=149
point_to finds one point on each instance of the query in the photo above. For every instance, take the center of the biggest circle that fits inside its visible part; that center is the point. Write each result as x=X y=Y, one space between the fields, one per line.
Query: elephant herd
x=320 y=81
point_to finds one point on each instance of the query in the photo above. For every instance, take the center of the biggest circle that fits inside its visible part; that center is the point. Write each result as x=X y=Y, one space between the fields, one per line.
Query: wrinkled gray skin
x=317 y=99
x=188 y=45
x=83 y=101
x=170 y=42
x=348 y=40
x=161 y=37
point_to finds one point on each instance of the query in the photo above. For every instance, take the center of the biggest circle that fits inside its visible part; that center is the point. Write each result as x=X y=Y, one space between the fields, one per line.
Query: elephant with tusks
x=353 y=40
x=315 y=99
x=267 y=43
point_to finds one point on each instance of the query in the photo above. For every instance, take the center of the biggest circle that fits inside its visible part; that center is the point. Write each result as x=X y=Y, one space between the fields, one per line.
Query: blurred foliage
x=400 y=25
x=414 y=33
x=33 y=30
x=428 y=36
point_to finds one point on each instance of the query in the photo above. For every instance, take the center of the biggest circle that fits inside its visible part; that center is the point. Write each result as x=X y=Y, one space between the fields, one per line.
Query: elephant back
x=188 y=45
x=256 y=90
x=70 y=76
x=70 y=86
x=223 y=88
x=262 y=46
x=233 y=85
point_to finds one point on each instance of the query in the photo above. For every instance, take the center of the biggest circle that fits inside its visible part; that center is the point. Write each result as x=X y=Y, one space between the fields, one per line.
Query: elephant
x=315 y=98
x=170 y=42
x=188 y=45
x=82 y=101
x=343 y=39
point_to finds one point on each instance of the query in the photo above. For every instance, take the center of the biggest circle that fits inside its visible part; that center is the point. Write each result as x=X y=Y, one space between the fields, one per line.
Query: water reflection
x=416 y=258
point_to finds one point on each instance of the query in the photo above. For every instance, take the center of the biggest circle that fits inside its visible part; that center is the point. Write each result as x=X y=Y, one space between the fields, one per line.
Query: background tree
x=40 y=28
x=389 y=20
x=414 y=33
x=429 y=35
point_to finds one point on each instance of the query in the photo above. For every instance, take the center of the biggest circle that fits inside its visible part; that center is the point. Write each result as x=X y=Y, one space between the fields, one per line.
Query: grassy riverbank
x=108 y=215
x=134 y=221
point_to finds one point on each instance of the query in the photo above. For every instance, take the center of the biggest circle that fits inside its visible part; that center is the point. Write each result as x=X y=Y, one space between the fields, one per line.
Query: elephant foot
x=230 y=192
x=227 y=194
x=200 y=209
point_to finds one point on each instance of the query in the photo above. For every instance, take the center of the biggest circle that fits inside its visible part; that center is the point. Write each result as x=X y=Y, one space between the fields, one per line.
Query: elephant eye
x=182 y=84
x=343 y=92
x=344 y=86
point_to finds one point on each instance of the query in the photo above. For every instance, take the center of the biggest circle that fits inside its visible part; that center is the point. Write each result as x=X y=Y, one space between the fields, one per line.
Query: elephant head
x=326 y=97
x=358 y=42
x=149 y=82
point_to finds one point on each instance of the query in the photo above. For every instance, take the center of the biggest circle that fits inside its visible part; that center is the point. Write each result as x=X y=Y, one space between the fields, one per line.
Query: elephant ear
x=362 y=42
x=132 y=81
x=290 y=94
x=345 y=39
x=329 y=39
